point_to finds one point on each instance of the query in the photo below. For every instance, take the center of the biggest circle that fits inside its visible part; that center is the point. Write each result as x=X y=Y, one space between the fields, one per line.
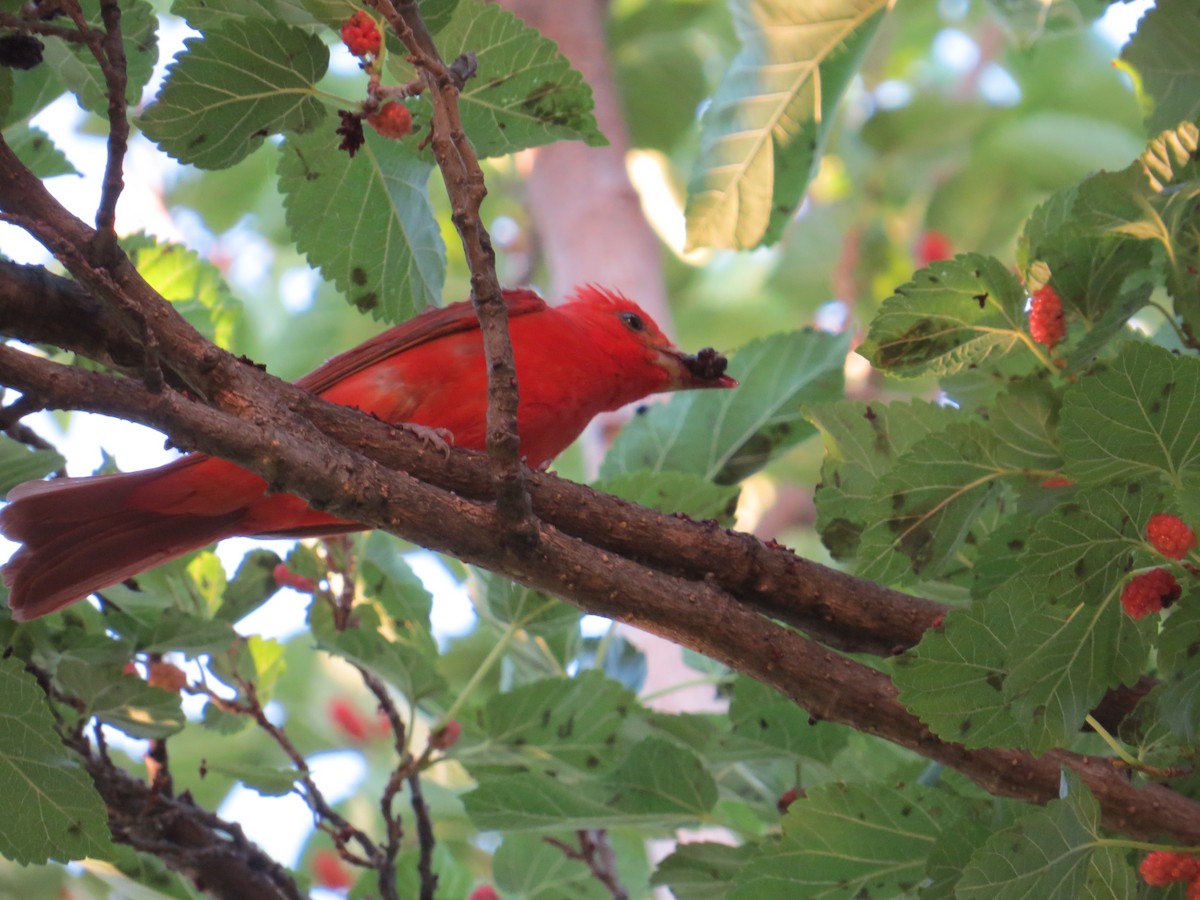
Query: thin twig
x=116 y=79
x=596 y=853
x=429 y=879
x=465 y=186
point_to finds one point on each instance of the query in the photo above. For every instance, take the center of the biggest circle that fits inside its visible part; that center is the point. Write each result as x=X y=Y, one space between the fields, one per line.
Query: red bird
x=597 y=352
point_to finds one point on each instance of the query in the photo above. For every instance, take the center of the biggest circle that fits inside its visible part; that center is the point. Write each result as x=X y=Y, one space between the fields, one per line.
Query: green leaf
x=863 y=442
x=953 y=680
x=1024 y=421
x=724 y=436
x=80 y=72
x=525 y=92
x=19 y=464
x=1162 y=51
x=926 y=505
x=951 y=316
x=366 y=222
x=206 y=14
x=1135 y=419
x=762 y=135
x=529 y=867
x=172 y=629
x=702 y=871
x=251 y=587
x=270 y=781
x=388 y=580
x=766 y=717
x=569 y=725
x=659 y=782
x=1063 y=660
x=1084 y=548
x=662 y=778
x=1179 y=702
x=675 y=492
x=123 y=701
x=232 y=88
x=37 y=152
x=401 y=654
x=194 y=286
x=1050 y=854
x=53 y=811
x=823 y=852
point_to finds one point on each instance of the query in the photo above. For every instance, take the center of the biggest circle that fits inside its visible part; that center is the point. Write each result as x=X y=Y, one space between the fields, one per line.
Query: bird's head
x=634 y=339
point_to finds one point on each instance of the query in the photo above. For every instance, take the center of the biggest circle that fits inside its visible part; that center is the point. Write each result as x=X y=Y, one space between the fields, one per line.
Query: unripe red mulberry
x=1149 y=592
x=392 y=121
x=361 y=35
x=1170 y=535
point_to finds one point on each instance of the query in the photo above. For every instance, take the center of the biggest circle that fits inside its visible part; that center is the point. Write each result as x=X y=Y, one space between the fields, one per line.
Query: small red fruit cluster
x=1162 y=868
x=1046 y=322
x=1149 y=592
x=329 y=871
x=1157 y=589
x=393 y=120
x=1170 y=535
x=361 y=35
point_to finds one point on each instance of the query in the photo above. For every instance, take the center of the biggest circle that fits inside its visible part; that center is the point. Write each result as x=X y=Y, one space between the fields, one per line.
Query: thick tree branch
x=215 y=854
x=294 y=456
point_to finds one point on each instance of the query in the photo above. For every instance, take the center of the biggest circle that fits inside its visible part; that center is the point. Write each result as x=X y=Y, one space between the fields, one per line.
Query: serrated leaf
x=19 y=464
x=1024 y=420
x=821 y=854
x=524 y=94
x=659 y=782
x=863 y=442
x=543 y=725
x=927 y=503
x=1179 y=701
x=252 y=585
x=402 y=654
x=388 y=580
x=762 y=135
x=122 y=701
x=1135 y=419
x=764 y=716
x=1049 y=854
x=78 y=69
x=701 y=870
x=537 y=801
x=173 y=629
x=36 y=151
x=953 y=315
x=674 y=492
x=1084 y=548
x=724 y=436
x=662 y=778
x=194 y=286
x=1064 y=659
x=528 y=866
x=366 y=222
x=953 y=680
x=1163 y=52
x=230 y=89
x=205 y=14
x=54 y=811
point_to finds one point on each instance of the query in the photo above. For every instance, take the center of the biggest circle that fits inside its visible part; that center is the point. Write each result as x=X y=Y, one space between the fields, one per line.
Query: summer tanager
x=595 y=353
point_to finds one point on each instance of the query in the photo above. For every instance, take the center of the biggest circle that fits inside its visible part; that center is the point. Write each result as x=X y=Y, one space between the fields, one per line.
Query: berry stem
x=1128 y=759
x=1122 y=844
x=490 y=660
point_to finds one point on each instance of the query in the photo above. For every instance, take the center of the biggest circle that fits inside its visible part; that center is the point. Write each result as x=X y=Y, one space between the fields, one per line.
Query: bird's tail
x=83 y=534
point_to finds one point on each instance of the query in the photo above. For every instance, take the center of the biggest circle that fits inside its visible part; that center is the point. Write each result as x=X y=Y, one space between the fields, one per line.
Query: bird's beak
x=705 y=369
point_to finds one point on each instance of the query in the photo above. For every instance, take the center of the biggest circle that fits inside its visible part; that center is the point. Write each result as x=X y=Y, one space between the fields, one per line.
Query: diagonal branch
x=294 y=456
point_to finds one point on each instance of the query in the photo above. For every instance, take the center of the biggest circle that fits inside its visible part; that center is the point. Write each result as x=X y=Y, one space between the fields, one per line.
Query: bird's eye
x=634 y=321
